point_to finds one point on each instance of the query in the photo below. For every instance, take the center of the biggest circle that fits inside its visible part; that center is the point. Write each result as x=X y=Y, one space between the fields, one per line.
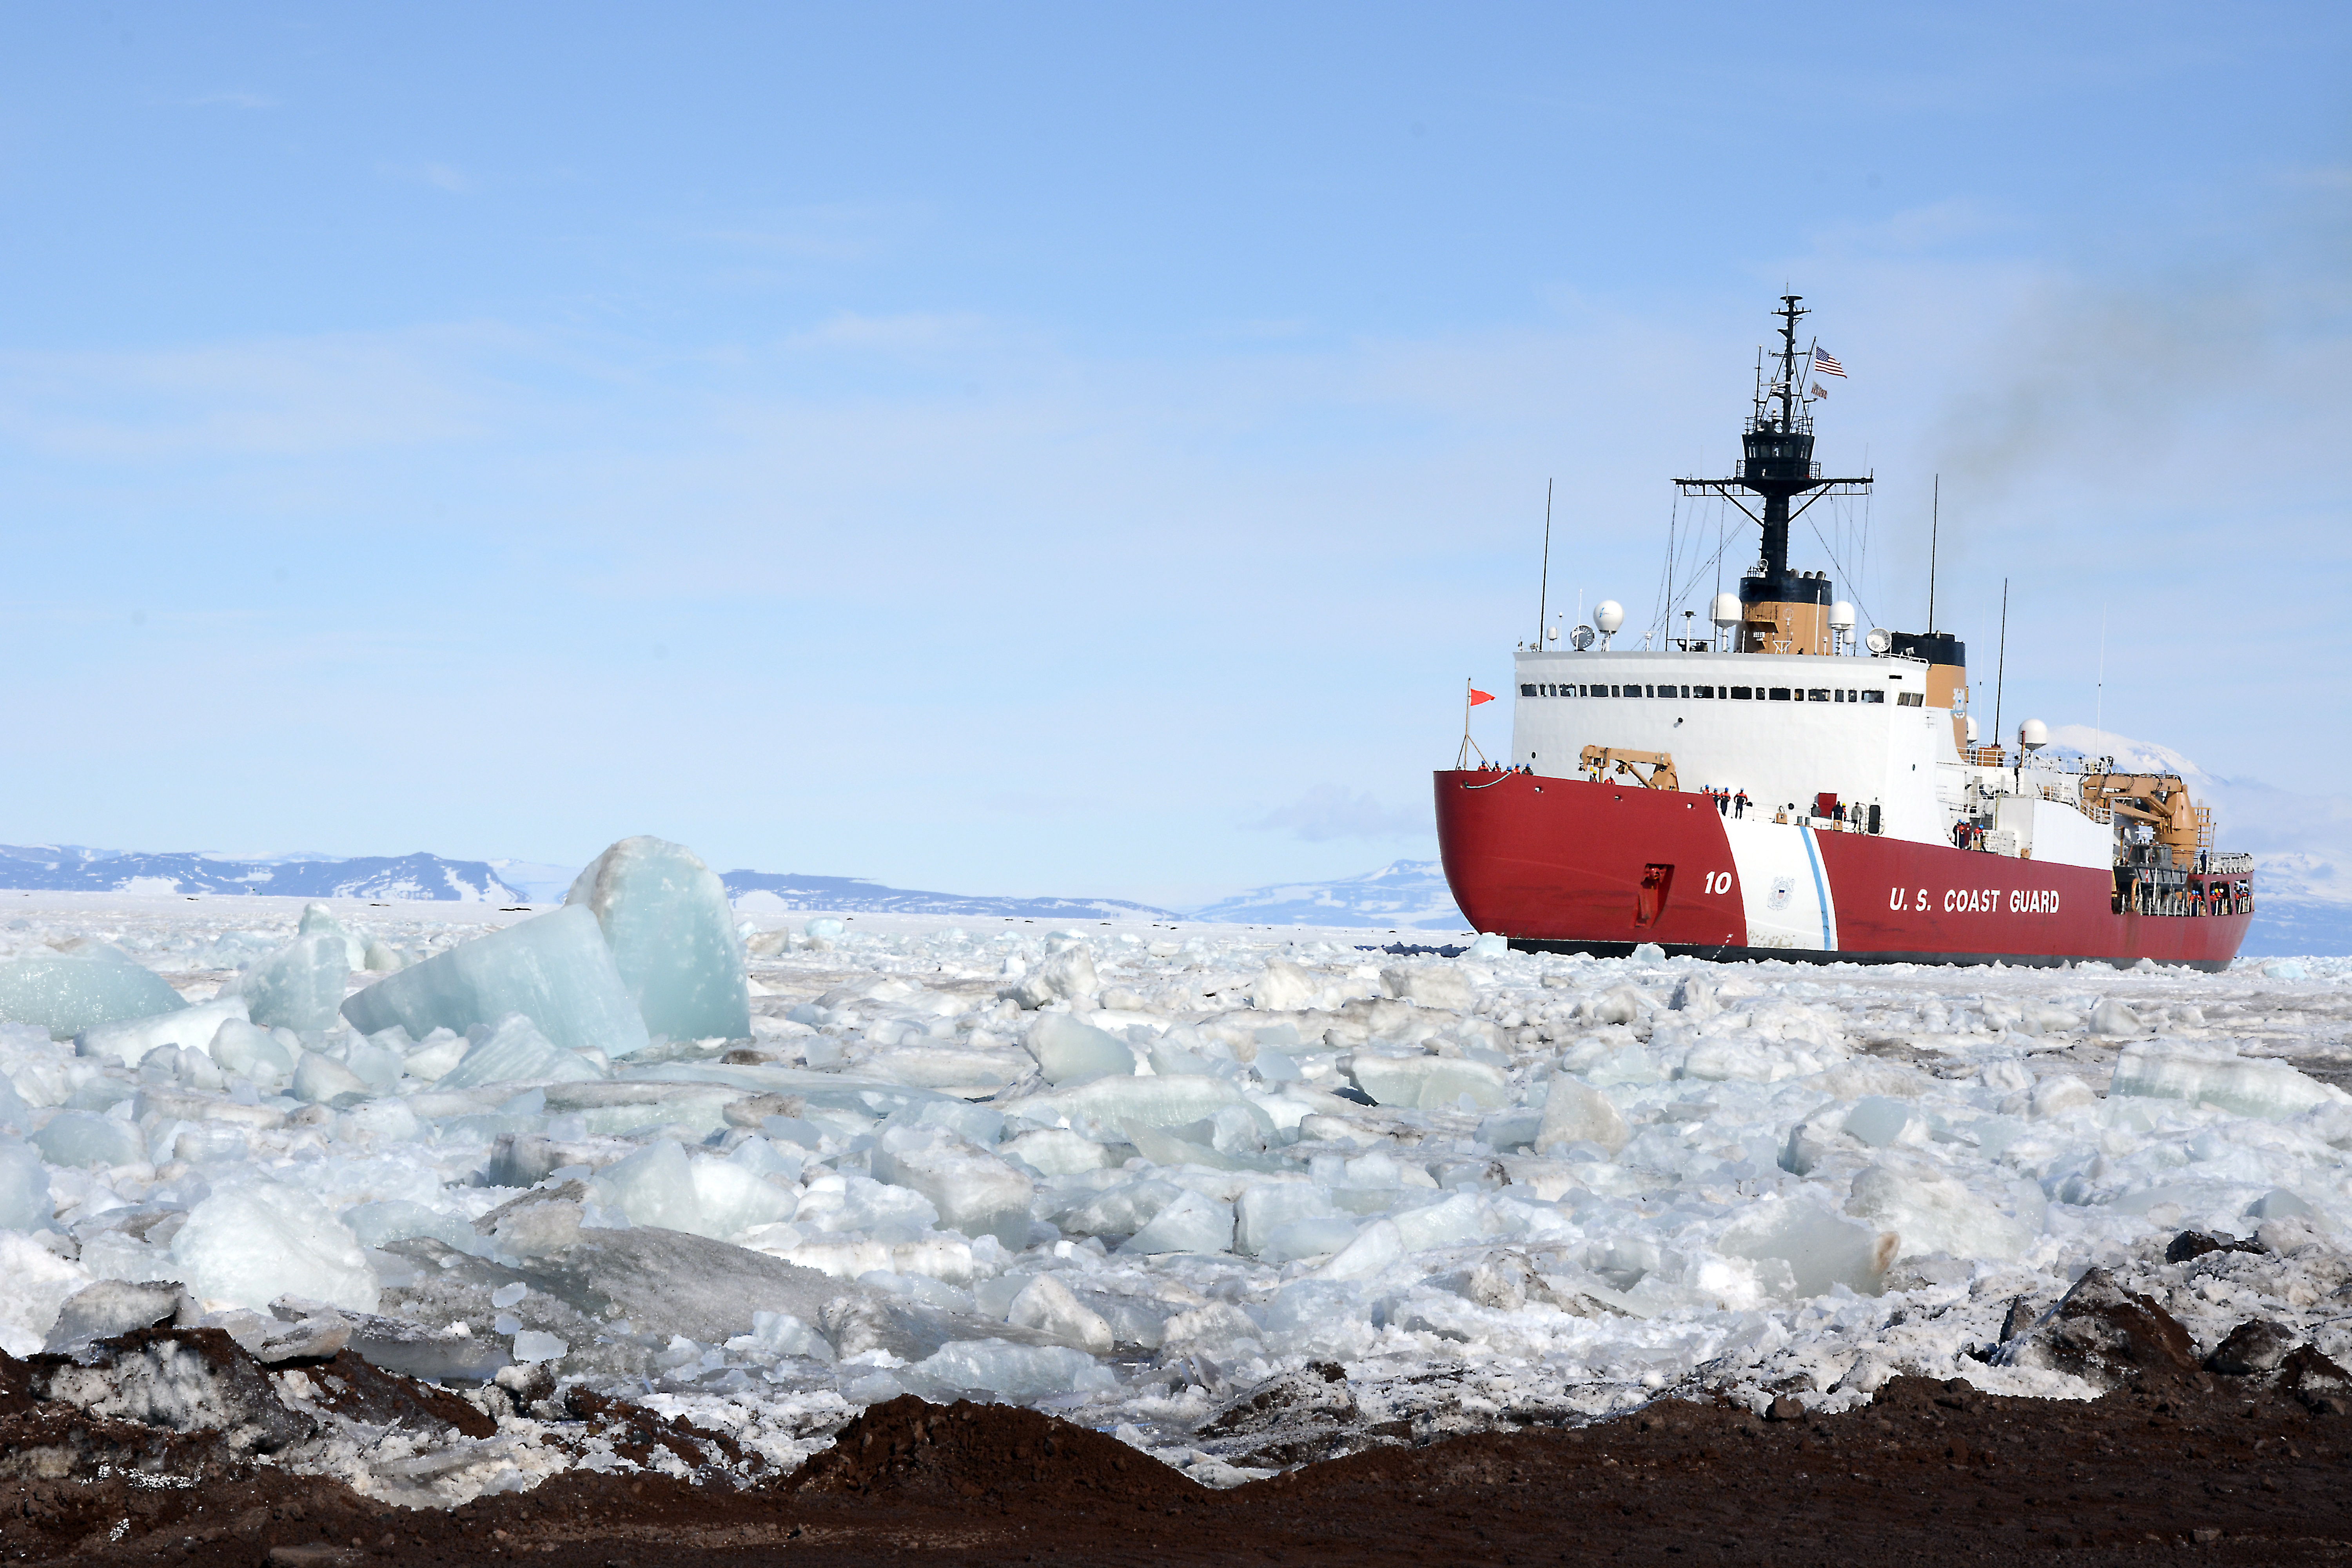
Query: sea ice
x=513 y=1050
x=249 y=1051
x=65 y=993
x=85 y=1138
x=973 y=1191
x=1067 y=1048
x=299 y=987
x=556 y=970
x=35 y=1283
x=24 y=1203
x=1429 y=1083
x=2247 y=1086
x=1047 y=1305
x=1576 y=1112
x=254 y=1241
x=673 y=938
x=1188 y=1223
x=131 y=1041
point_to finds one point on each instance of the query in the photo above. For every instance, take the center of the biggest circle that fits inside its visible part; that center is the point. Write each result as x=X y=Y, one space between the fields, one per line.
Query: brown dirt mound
x=982 y=1453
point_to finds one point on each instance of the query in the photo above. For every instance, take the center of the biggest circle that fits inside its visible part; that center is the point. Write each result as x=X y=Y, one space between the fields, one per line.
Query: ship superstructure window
x=1741 y=693
x=1911 y=700
x=1702 y=692
x=1820 y=694
x=1873 y=697
x=1527 y=690
x=1778 y=694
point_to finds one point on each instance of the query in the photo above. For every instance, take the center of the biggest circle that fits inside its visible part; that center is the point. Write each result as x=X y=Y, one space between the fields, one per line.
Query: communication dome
x=1727 y=610
x=1608 y=614
x=2033 y=734
x=1841 y=615
x=1972 y=732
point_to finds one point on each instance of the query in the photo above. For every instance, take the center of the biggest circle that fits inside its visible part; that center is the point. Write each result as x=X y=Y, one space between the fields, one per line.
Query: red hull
x=1562 y=864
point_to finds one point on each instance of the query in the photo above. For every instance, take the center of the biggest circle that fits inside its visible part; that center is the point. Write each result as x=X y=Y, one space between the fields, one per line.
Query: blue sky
x=1083 y=449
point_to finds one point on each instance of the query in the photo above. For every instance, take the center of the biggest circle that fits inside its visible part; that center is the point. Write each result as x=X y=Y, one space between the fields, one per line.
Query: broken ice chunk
x=555 y=970
x=1931 y=1210
x=531 y=1345
x=1428 y=1083
x=250 y=1244
x=65 y=993
x=2249 y=1086
x=301 y=985
x=1047 y=1305
x=1058 y=1151
x=1010 y=1371
x=1819 y=1248
x=25 y=1203
x=1067 y=1048
x=514 y=1051
x=975 y=1191
x=248 y=1051
x=85 y=1138
x=673 y=937
x=1190 y=1223
x=322 y=1080
x=1265 y=1209
x=129 y=1042
x=1574 y=1112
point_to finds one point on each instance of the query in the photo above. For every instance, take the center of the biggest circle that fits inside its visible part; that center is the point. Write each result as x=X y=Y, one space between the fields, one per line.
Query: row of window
x=1725 y=693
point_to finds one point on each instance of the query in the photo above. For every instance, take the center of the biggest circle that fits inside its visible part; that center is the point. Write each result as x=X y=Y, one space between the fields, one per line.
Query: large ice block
x=129 y=1042
x=86 y=1138
x=515 y=1051
x=249 y=1051
x=555 y=970
x=25 y=1202
x=1428 y=1083
x=301 y=985
x=1574 y=1112
x=1067 y=1048
x=65 y=993
x=1819 y=1248
x=975 y=1192
x=1192 y=1222
x=673 y=936
x=247 y=1245
x=2249 y=1086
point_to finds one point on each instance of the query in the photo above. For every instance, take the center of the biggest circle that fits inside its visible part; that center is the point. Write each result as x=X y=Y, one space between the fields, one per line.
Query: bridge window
x=1702 y=692
x=1526 y=691
x=1741 y=693
x=1873 y=697
x=1778 y=694
x=1911 y=700
x=1820 y=694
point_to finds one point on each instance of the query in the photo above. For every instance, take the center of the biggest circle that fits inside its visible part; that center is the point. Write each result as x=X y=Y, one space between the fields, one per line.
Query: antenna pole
x=1934 y=522
x=1543 y=587
x=2001 y=670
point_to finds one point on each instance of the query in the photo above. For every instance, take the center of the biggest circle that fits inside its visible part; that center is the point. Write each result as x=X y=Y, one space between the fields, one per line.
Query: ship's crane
x=1598 y=760
x=2159 y=800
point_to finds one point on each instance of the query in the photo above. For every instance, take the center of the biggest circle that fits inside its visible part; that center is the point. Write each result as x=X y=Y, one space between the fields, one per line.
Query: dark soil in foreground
x=2203 y=1468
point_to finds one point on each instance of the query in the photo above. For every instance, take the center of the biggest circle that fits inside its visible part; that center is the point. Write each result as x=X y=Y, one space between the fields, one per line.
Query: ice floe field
x=1240 y=1195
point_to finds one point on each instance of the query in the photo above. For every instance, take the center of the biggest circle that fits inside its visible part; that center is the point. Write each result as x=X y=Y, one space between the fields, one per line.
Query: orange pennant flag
x=1477 y=697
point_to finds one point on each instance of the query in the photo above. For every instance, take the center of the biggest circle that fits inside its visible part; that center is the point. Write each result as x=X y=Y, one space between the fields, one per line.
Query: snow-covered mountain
x=71 y=867
x=1403 y=895
x=776 y=892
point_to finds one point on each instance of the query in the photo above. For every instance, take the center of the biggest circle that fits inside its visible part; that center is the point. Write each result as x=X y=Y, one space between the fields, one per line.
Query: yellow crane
x=2161 y=800
x=1599 y=759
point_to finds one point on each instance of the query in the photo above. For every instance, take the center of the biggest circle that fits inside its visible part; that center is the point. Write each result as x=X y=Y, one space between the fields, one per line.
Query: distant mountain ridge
x=757 y=891
x=1403 y=895
x=70 y=867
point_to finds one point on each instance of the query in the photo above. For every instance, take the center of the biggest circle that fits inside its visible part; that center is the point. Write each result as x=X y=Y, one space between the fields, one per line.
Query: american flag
x=1826 y=365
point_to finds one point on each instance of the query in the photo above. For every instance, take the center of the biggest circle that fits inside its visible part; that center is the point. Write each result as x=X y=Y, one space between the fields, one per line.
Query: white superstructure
x=1788 y=728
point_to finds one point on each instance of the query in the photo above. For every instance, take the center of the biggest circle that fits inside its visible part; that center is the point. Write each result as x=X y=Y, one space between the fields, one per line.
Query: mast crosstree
x=1781 y=611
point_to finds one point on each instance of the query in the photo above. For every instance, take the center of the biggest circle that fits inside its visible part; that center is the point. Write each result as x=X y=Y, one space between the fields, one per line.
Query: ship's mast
x=1783 y=612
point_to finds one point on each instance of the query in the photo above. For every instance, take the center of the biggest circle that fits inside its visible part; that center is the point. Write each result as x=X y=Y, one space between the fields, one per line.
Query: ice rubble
x=1127 y=1172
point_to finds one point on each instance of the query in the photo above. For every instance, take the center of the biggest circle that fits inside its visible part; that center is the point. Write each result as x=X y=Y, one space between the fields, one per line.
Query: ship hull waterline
x=1570 y=865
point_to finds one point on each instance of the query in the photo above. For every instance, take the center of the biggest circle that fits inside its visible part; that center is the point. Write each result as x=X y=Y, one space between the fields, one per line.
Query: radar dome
x=1727 y=610
x=1972 y=732
x=1608 y=614
x=2033 y=734
x=1841 y=615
